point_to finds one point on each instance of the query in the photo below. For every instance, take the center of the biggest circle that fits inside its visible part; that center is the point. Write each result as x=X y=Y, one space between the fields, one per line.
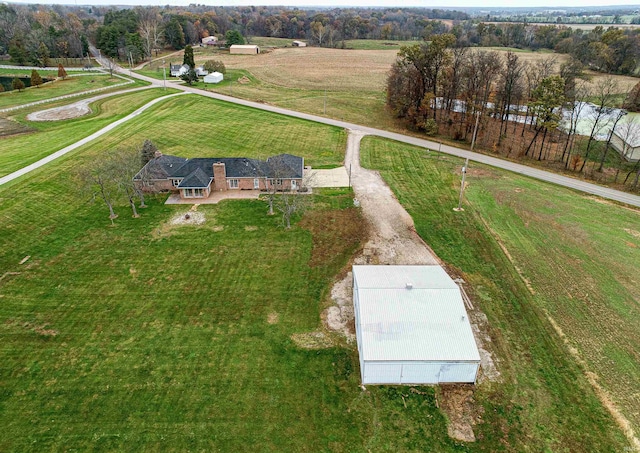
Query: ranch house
x=199 y=177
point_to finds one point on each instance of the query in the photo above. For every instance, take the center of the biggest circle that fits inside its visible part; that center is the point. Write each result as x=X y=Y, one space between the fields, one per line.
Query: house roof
x=411 y=313
x=197 y=179
x=287 y=164
x=161 y=167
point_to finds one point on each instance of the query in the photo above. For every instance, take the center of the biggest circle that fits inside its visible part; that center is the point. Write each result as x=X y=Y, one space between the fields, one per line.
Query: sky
x=492 y=4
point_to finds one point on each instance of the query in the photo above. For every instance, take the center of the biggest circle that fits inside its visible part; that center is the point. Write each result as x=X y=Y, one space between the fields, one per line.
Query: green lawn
x=26 y=72
x=57 y=88
x=264 y=41
x=581 y=259
x=149 y=337
x=44 y=138
x=194 y=126
x=377 y=44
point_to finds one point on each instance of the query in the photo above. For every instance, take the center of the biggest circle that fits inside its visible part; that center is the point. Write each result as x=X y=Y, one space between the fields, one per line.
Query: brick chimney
x=219 y=176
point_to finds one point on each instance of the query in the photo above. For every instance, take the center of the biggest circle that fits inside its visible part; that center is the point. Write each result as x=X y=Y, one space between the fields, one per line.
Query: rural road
x=572 y=183
x=63 y=151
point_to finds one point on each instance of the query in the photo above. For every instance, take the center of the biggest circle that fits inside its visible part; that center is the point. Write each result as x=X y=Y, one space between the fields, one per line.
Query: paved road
x=68 y=96
x=573 y=183
x=84 y=141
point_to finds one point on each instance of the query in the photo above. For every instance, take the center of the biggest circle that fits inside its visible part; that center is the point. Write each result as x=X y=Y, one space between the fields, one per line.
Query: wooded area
x=515 y=108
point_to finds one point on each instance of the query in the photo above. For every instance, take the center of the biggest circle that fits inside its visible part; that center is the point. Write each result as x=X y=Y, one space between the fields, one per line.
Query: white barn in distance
x=412 y=327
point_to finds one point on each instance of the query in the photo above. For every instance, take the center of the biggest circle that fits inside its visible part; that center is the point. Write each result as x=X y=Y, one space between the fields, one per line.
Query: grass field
x=152 y=337
x=26 y=72
x=40 y=139
x=376 y=44
x=148 y=336
x=577 y=273
x=57 y=88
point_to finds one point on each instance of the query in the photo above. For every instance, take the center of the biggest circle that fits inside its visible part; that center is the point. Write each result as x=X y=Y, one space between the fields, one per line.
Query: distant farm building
x=176 y=70
x=299 y=44
x=214 y=77
x=629 y=147
x=209 y=41
x=412 y=326
x=247 y=49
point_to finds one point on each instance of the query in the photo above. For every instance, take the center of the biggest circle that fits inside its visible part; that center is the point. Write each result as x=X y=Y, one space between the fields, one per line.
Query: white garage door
x=458 y=372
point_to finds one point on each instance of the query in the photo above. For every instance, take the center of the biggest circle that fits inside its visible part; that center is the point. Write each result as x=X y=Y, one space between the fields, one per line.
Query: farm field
x=558 y=284
x=35 y=140
x=354 y=80
x=57 y=88
x=376 y=44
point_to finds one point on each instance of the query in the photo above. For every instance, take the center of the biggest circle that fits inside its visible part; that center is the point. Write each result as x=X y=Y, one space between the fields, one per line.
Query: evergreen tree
x=188 y=57
x=234 y=37
x=43 y=55
x=190 y=76
x=36 y=80
x=61 y=72
x=17 y=84
x=147 y=152
x=632 y=103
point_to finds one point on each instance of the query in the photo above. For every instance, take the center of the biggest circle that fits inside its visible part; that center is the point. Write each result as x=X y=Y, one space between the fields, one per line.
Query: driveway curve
x=84 y=141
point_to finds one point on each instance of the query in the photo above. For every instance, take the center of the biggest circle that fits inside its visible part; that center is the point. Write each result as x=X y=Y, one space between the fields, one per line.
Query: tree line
x=513 y=107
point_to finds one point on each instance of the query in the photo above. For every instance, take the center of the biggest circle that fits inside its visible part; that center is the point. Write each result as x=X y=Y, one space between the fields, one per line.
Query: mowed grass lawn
x=581 y=259
x=194 y=126
x=41 y=139
x=57 y=88
x=148 y=337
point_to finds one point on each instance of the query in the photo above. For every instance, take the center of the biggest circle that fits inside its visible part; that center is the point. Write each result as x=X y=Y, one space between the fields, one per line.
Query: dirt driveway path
x=76 y=109
x=393 y=237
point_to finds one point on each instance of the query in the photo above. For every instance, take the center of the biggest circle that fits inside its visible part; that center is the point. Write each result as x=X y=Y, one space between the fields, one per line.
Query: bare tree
x=98 y=180
x=604 y=92
x=126 y=165
x=149 y=29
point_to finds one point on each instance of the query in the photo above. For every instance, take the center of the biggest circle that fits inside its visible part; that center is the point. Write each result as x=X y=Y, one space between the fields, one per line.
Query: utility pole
x=475 y=131
x=464 y=174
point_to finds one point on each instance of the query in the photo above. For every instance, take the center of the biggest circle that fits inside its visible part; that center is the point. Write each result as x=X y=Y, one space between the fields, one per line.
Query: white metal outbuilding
x=214 y=77
x=412 y=326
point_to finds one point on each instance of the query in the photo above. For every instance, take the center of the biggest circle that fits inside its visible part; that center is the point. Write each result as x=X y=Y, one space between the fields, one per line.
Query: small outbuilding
x=628 y=146
x=209 y=40
x=299 y=44
x=244 y=49
x=412 y=326
x=214 y=77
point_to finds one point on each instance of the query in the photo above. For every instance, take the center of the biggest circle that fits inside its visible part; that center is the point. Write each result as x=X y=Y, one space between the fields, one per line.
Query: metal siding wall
x=459 y=372
x=382 y=373
x=420 y=373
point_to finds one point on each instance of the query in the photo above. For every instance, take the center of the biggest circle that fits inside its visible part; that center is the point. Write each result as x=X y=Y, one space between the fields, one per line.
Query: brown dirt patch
x=244 y=80
x=273 y=318
x=312 y=340
x=8 y=128
x=458 y=404
x=333 y=232
x=250 y=228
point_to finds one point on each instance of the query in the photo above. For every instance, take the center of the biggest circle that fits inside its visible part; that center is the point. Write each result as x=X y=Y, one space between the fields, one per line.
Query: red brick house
x=198 y=177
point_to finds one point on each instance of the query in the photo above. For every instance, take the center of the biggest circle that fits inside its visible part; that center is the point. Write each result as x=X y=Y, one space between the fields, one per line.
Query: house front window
x=256 y=183
x=198 y=193
x=176 y=182
x=233 y=183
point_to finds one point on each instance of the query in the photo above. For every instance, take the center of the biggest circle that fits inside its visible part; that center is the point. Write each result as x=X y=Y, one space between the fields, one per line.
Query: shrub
x=215 y=66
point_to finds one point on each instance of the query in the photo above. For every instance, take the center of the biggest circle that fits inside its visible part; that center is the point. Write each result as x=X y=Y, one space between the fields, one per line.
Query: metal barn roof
x=424 y=322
